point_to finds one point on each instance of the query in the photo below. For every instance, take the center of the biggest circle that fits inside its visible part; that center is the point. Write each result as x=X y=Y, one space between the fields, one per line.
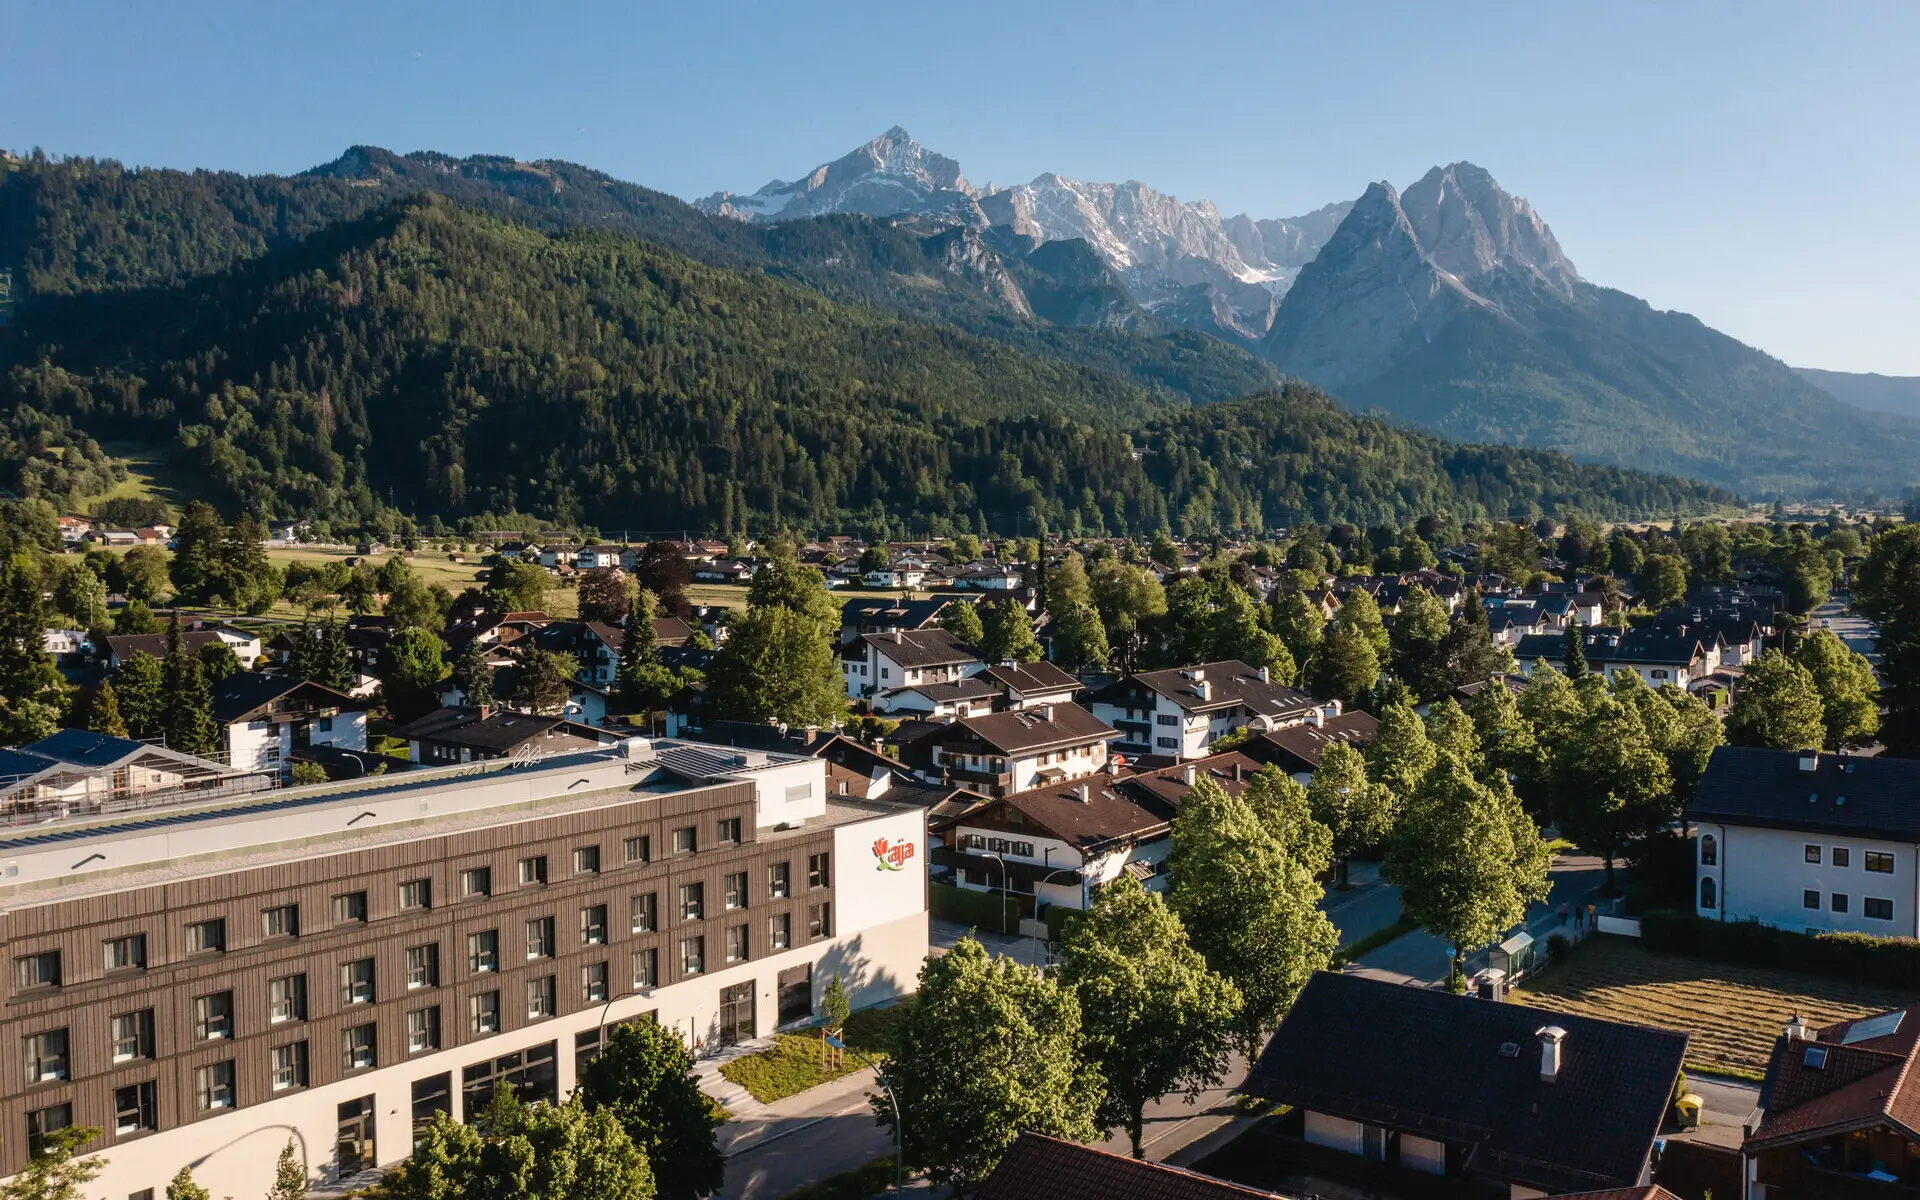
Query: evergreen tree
x=289 y=1175
x=990 y=1049
x=543 y=679
x=186 y=703
x=645 y=1080
x=1248 y=907
x=961 y=618
x=334 y=661
x=1297 y=622
x=103 y=712
x=472 y=675
x=1419 y=636
x=184 y=1188
x=1153 y=1018
x=33 y=697
x=637 y=652
x=137 y=684
x=1008 y=634
x=1576 y=651
x=1777 y=706
x=195 y=567
x=1886 y=588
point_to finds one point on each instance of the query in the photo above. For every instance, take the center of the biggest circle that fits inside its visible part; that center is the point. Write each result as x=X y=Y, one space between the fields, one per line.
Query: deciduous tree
x=1849 y=694
x=1357 y=813
x=645 y=1079
x=1344 y=665
x=1886 y=587
x=961 y=618
x=777 y=667
x=56 y=1172
x=1418 y=633
x=1079 y=640
x=1008 y=634
x=1777 y=706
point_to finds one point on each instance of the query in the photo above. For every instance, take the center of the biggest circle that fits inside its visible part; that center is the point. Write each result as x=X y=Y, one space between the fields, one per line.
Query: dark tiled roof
x=1028 y=678
x=82 y=748
x=1434 y=1064
x=1104 y=816
x=903 y=614
x=921 y=647
x=240 y=695
x=1299 y=747
x=1043 y=1168
x=1230 y=682
x=1025 y=730
x=1166 y=787
x=1843 y=794
x=1861 y=1082
x=495 y=733
x=973 y=687
x=121 y=645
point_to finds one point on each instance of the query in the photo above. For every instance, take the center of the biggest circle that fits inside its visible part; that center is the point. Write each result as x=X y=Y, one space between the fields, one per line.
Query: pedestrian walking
x=1563 y=913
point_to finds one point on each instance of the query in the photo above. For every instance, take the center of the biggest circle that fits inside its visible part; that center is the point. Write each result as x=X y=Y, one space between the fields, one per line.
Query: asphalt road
x=1853 y=630
x=1421 y=957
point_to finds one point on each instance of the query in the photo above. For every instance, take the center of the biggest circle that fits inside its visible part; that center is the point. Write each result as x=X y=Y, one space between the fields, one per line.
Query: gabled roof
x=1468 y=1072
x=1043 y=1168
x=1033 y=677
x=1103 y=816
x=973 y=687
x=904 y=614
x=1299 y=747
x=921 y=647
x=1026 y=730
x=1165 y=787
x=1852 y=1075
x=1229 y=682
x=494 y=733
x=244 y=694
x=120 y=645
x=1844 y=793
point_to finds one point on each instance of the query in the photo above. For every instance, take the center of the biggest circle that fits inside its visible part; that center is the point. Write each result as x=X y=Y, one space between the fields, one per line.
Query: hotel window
x=357 y=1047
x=127 y=953
x=593 y=983
x=280 y=922
x=540 y=937
x=737 y=944
x=483 y=951
x=693 y=956
x=779 y=880
x=1809 y=899
x=416 y=894
x=350 y=908
x=646 y=968
x=423 y=1030
x=1877 y=861
x=727 y=831
x=133 y=1035
x=737 y=890
x=287 y=999
x=213 y=1017
x=423 y=966
x=780 y=931
x=356 y=982
x=1838 y=902
x=213 y=1086
x=693 y=901
x=45 y=1055
x=476 y=881
x=645 y=910
x=206 y=937
x=43 y=1123
x=37 y=970
x=541 y=997
x=1842 y=857
x=820 y=920
x=533 y=870
x=819 y=873
x=639 y=849
x=483 y=1011
x=586 y=860
x=1876 y=909
x=289 y=1066
x=1813 y=854
x=133 y=1108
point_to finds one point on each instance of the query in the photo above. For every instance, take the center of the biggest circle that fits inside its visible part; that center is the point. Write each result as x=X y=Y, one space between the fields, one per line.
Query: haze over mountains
x=1451 y=305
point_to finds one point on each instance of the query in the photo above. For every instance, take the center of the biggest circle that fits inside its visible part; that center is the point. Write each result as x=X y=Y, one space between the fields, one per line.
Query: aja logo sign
x=891 y=856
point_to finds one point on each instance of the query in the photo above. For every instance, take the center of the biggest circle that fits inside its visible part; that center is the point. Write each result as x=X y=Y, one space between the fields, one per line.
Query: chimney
x=1046 y=712
x=1085 y=793
x=1798 y=1030
x=1206 y=689
x=1809 y=760
x=1236 y=772
x=1188 y=774
x=1316 y=717
x=1266 y=676
x=843 y=787
x=1552 y=1051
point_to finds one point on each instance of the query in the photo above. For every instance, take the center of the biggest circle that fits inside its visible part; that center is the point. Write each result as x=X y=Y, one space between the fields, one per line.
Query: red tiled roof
x=1856 y=1084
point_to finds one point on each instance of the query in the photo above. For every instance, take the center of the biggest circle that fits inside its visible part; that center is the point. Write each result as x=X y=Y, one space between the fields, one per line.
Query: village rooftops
x=1612 y=645
x=1087 y=813
x=251 y=695
x=1028 y=730
x=1034 y=678
x=1810 y=791
x=1476 y=1074
x=499 y=732
x=1036 y=1167
x=1300 y=747
x=915 y=648
x=973 y=687
x=1843 y=1077
x=1167 y=787
x=1210 y=687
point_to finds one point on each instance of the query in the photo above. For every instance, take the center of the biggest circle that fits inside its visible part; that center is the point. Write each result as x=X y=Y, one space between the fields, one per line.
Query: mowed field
x=1734 y=1013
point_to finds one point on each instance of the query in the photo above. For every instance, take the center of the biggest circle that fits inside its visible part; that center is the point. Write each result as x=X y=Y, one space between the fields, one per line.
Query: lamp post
x=1004 y=891
x=1075 y=871
x=892 y=1099
x=601 y=1042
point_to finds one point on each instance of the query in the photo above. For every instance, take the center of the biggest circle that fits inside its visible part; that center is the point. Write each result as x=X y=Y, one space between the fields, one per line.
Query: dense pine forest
x=311 y=347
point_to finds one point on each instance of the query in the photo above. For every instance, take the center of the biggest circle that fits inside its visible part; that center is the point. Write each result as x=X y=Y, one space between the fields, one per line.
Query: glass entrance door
x=736 y=1014
x=796 y=993
x=353 y=1145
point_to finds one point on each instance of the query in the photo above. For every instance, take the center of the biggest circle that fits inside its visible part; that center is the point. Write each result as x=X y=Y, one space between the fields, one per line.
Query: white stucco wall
x=1335 y=1133
x=1423 y=1154
x=1762 y=874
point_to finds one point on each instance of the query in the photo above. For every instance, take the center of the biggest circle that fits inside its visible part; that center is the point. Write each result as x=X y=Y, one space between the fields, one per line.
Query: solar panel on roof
x=1884 y=1025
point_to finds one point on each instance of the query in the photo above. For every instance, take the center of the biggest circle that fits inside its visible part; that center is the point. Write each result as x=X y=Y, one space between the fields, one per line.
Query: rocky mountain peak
x=890 y=176
x=1468 y=225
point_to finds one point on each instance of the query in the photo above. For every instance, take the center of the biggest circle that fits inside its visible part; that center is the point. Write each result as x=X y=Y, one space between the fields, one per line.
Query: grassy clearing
x=1733 y=1012
x=149 y=476
x=792 y=1064
x=1373 y=941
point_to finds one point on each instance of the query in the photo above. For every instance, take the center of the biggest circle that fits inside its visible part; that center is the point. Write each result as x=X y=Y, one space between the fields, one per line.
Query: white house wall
x=1762 y=875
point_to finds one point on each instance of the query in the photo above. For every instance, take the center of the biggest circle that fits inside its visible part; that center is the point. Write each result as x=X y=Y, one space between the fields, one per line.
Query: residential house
x=670 y=632
x=595 y=645
x=268 y=721
x=1179 y=712
x=1837 y=1117
x=879 y=662
x=732 y=570
x=597 y=558
x=63 y=642
x=893 y=616
x=1028 y=685
x=1658 y=655
x=897 y=575
x=1297 y=749
x=246 y=647
x=988 y=577
x=1808 y=840
x=1167 y=787
x=1037 y=1167
x=1056 y=844
x=1393 y=1086
x=73 y=529
x=1557 y=608
x=74 y=772
x=1006 y=752
x=458 y=735
x=974 y=695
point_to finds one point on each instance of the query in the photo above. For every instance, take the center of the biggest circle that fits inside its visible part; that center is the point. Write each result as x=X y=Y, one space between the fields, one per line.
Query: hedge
x=980 y=910
x=1890 y=961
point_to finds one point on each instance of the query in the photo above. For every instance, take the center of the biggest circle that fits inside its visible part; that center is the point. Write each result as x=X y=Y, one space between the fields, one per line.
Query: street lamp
x=1005 y=892
x=626 y=995
x=880 y=1075
x=1075 y=871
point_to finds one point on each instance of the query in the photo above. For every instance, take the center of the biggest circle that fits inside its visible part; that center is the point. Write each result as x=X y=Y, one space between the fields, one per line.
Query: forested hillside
x=443 y=361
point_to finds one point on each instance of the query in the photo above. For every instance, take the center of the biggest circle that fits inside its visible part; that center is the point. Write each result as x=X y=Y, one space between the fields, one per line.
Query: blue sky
x=1752 y=163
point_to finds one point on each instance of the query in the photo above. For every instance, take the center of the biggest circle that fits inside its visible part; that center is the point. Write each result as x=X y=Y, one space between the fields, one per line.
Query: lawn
x=1734 y=1013
x=792 y=1064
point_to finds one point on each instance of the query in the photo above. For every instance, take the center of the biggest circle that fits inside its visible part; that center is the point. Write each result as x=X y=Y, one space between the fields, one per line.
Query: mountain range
x=1450 y=305
x=1876 y=393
